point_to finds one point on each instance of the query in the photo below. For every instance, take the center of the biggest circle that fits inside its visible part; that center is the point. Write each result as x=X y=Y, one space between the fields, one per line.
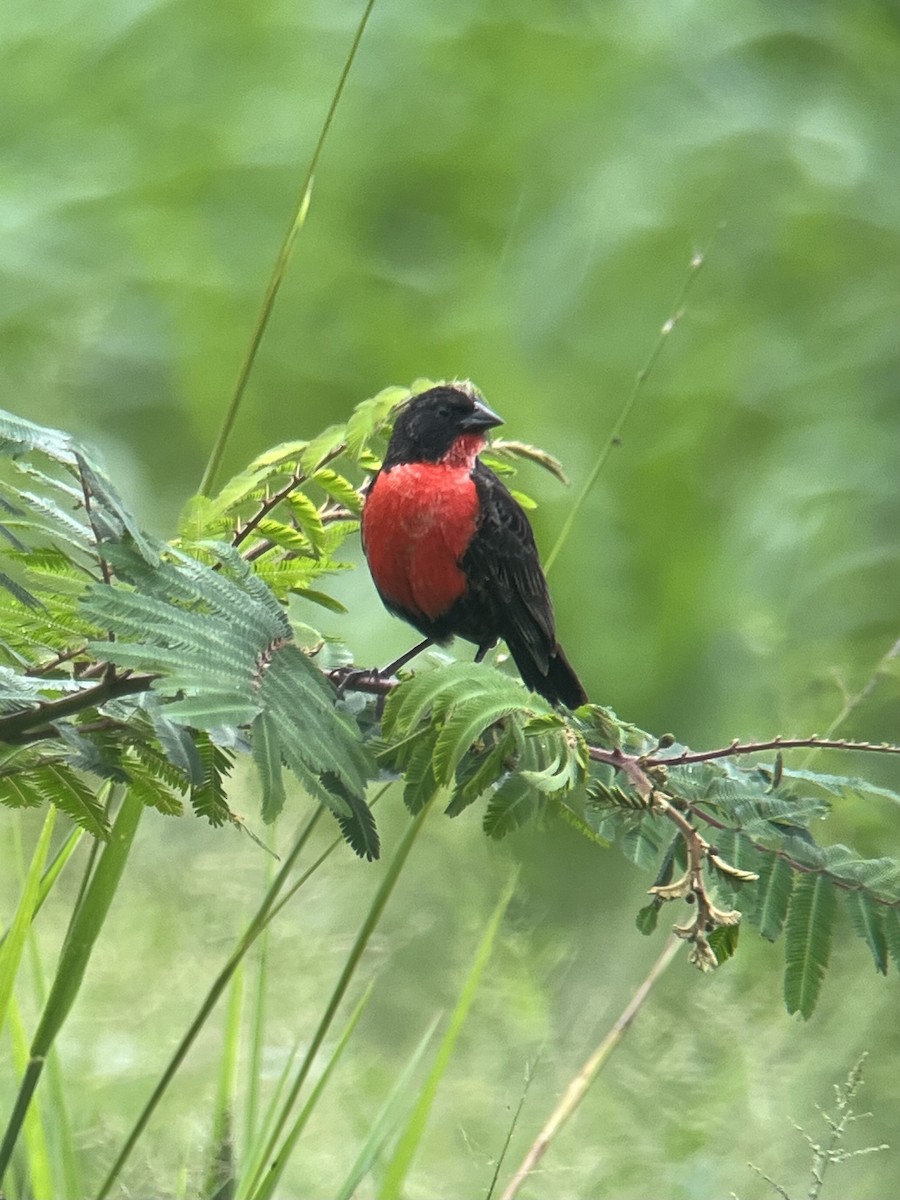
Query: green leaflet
x=18 y=435
x=339 y=489
x=369 y=418
x=867 y=919
x=481 y=768
x=208 y=796
x=41 y=782
x=840 y=785
x=891 y=926
x=724 y=942
x=221 y=645
x=807 y=942
x=308 y=518
x=109 y=517
x=443 y=714
x=448 y=688
x=321 y=746
x=512 y=805
x=267 y=756
x=327 y=445
x=773 y=895
x=642 y=842
x=462 y=725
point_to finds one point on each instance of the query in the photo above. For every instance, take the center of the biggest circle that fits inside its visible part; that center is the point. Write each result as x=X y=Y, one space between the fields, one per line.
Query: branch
x=778 y=743
x=19 y=727
x=241 y=534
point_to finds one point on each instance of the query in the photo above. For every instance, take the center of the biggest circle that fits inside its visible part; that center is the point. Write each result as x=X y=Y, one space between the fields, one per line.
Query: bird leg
x=392 y=668
x=352 y=677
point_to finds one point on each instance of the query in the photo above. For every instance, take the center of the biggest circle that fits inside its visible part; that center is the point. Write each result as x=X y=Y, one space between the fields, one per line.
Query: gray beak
x=481 y=417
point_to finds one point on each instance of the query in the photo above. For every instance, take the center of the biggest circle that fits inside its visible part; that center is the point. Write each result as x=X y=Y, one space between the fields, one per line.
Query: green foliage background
x=511 y=192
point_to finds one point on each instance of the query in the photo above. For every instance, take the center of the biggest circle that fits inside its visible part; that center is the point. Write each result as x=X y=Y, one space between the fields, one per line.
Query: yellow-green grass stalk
x=269 y=1160
x=84 y=929
x=392 y=1186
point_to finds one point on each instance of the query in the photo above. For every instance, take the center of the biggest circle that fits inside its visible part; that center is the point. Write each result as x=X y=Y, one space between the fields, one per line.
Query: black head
x=429 y=424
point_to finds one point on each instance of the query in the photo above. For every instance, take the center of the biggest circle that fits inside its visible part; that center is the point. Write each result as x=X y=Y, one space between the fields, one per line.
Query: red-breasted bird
x=451 y=551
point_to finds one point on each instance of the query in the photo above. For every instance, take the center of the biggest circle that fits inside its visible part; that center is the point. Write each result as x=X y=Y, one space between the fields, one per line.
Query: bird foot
x=355 y=679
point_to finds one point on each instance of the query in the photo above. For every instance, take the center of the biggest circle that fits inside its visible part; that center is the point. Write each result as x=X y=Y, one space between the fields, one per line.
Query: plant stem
x=272 y=1156
x=639 y=380
x=579 y=1086
x=259 y=922
x=278 y=271
x=84 y=929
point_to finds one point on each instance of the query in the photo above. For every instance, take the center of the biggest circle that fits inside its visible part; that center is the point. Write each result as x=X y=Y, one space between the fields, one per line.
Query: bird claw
x=348 y=678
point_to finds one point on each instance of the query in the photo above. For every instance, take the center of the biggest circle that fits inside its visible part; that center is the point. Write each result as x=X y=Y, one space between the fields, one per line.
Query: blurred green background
x=511 y=192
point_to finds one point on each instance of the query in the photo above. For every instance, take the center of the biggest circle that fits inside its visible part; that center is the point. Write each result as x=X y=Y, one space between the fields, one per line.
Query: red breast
x=417 y=523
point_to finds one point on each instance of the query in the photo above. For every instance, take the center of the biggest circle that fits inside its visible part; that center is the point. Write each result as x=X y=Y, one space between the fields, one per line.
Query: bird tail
x=559 y=684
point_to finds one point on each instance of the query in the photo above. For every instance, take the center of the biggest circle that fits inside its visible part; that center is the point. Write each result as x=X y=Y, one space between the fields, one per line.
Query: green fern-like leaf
x=321 y=746
x=773 y=896
x=45 y=780
x=513 y=804
x=463 y=724
x=370 y=417
x=891 y=925
x=208 y=797
x=18 y=435
x=420 y=783
x=480 y=769
x=867 y=919
x=267 y=756
x=808 y=942
x=339 y=489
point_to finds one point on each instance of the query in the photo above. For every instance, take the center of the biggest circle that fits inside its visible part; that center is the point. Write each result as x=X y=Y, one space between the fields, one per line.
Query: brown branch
x=18 y=727
x=57 y=661
x=794 y=863
x=777 y=743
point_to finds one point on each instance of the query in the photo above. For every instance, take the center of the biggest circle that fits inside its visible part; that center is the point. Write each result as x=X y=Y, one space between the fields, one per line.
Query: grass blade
x=37 y=1151
x=398 y=1167
x=220 y=1179
x=281 y=265
x=13 y=944
x=266 y=911
x=579 y=1086
x=257 y=1182
x=387 y=1119
x=271 y=1181
x=614 y=437
x=83 y=932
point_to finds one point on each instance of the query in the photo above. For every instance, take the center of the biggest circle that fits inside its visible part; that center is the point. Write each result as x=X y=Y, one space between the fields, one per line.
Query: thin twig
x=578 y=1087
x=271 y=502
x=640 y=379
x=814 y=741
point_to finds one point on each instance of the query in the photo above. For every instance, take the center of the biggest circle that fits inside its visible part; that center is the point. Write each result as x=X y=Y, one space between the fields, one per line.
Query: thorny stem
x=814 y=741
x=793 y=863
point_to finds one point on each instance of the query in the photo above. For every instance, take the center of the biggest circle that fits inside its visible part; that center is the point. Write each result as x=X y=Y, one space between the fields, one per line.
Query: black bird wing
x=505 y=577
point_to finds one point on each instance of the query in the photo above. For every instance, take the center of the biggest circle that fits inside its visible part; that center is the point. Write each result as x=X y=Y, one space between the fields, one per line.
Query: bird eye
x=444 y=411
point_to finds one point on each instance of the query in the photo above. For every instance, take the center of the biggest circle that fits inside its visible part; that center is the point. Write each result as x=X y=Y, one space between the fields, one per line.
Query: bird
x=451 y=551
